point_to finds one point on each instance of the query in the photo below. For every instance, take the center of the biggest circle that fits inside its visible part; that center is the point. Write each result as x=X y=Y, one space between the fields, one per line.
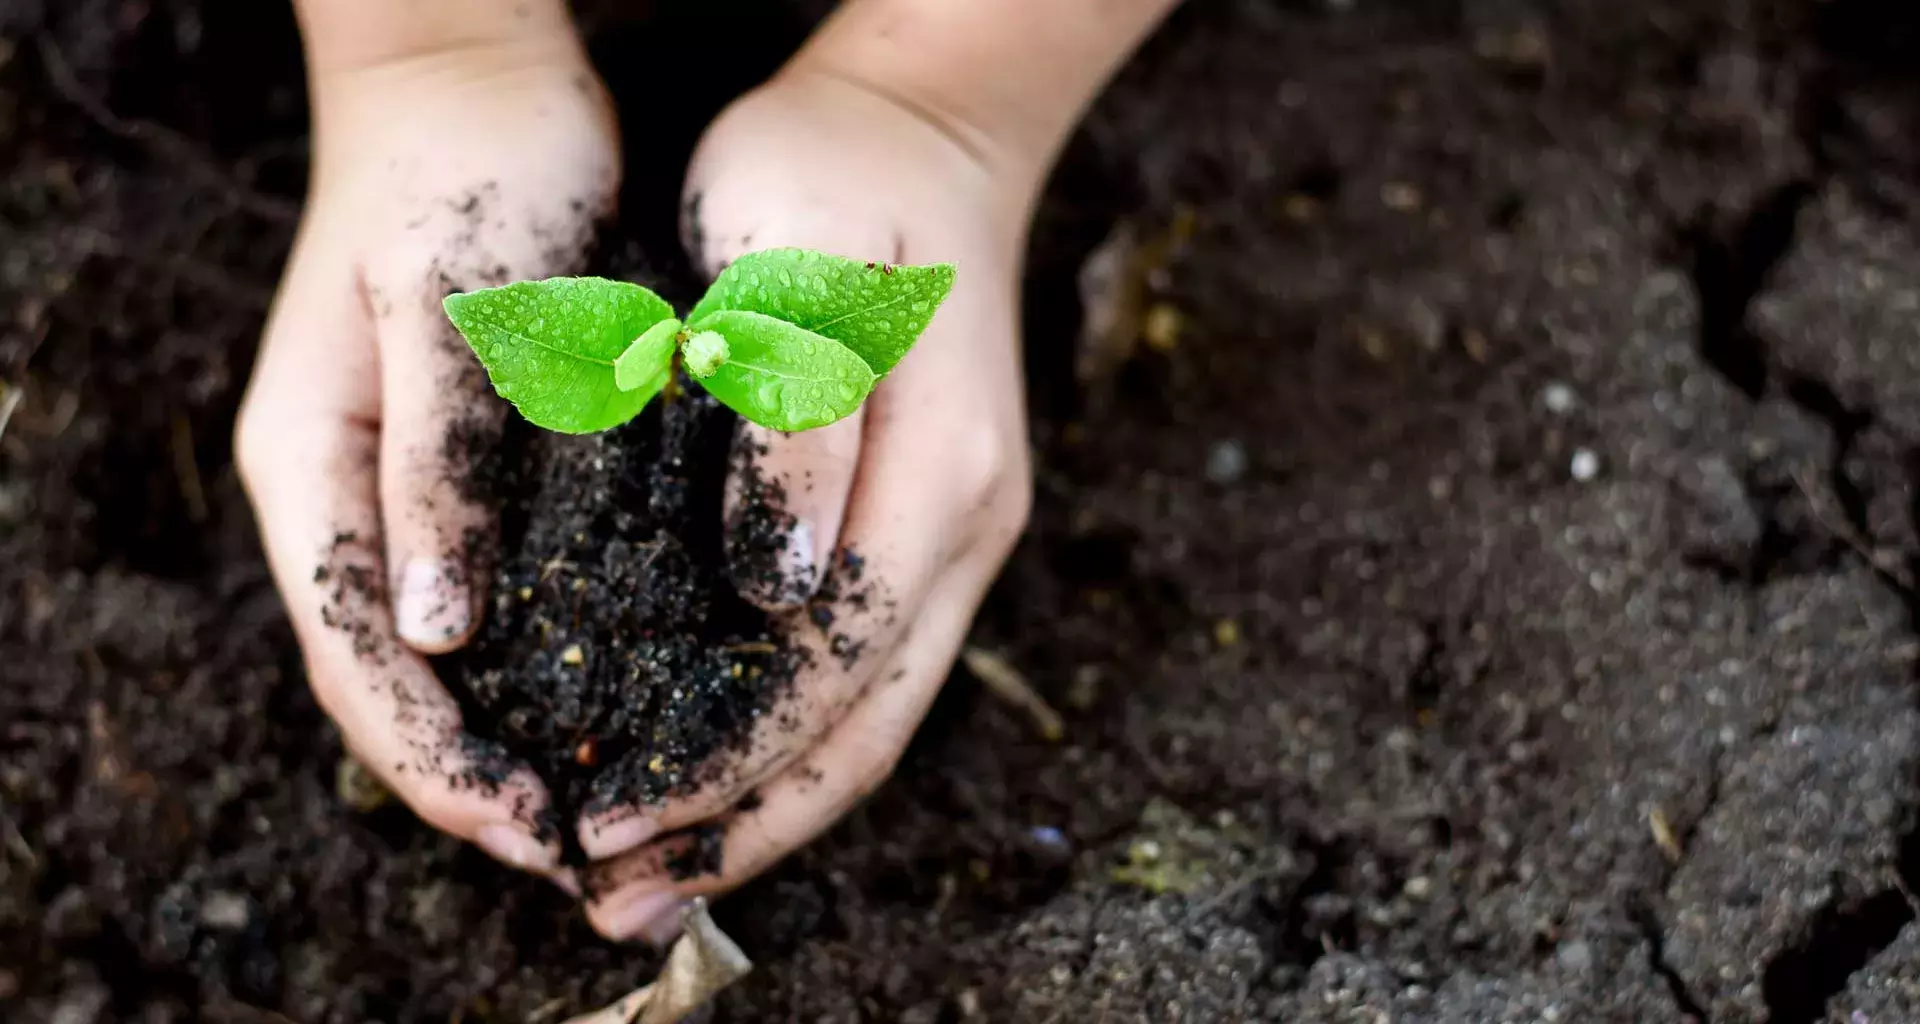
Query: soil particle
x=1130 y=960
x=760 y=538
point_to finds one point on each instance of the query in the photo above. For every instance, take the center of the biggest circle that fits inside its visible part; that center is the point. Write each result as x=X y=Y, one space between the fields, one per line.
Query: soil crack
x=1729 y=266
x=1731 y=260
x=1653 y=933
x=1798 y=982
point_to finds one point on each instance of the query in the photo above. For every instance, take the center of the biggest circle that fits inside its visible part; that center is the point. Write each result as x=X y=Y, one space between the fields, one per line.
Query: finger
x=307 y=447
x=933 y=455
x=787 y=494
x=786 y=498
x=640 y=895
x=440 y=427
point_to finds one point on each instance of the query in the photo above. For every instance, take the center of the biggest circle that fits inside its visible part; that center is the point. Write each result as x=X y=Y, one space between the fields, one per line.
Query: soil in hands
x=617 y=657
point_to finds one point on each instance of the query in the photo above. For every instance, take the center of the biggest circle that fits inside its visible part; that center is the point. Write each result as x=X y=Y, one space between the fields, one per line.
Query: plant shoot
x=788 y=338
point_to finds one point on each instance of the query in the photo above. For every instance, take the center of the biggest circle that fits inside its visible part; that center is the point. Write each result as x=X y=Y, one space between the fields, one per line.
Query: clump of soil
x=618 y=658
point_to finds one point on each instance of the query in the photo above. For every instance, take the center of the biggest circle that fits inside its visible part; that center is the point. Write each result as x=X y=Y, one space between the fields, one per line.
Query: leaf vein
x=537 y=343
x=896 y=300
x=771 y=372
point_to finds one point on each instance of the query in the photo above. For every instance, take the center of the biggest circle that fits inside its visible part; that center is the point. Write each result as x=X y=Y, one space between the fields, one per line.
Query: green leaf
x=549 y=346
x=647 y=363
x=874 y=309
x=782 y=376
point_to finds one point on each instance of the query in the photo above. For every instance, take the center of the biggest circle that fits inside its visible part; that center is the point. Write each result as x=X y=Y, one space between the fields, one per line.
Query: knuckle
x=1001 y=497
x=985 y=465
x=1014 y=505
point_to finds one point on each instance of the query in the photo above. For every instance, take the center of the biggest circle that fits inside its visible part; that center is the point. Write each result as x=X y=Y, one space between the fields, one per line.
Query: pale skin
x=462 y=143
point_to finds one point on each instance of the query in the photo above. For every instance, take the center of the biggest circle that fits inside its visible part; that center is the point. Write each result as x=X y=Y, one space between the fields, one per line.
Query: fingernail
x=617 y=837
x=432 y=606
x=566 y=881
x=653 y=916
x=512 y=846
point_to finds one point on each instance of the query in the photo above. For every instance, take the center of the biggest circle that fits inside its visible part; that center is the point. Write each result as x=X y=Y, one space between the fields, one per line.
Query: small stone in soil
x=1227 y=462
x=1575 y=956
x=1558 y=398
x=1585 y=465
x=224 y=911
x=1048 y=837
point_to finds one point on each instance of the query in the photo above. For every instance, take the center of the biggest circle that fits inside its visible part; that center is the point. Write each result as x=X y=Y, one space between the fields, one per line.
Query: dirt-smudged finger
x=308 y=447
x=786 y=500
x=441 y=428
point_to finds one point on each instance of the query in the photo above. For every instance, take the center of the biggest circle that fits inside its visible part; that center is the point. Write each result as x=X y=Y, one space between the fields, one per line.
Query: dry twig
x=10 y=396
x=1839 y=527
x=1006 y=683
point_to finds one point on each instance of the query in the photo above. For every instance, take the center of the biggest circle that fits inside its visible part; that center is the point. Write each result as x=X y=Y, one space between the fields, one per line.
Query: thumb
x=786 y=493
x=786 y=499
x=439 y=432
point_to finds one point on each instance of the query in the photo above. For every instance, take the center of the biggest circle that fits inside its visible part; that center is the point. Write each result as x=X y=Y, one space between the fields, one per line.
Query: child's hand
x=928 y=484
x=434 y=172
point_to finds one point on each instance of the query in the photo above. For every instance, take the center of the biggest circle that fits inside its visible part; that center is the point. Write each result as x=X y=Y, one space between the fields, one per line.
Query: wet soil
x=1489 y=594
x=617 y=658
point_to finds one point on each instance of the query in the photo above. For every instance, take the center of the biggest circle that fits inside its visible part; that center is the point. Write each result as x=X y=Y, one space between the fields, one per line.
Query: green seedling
x=788 y=338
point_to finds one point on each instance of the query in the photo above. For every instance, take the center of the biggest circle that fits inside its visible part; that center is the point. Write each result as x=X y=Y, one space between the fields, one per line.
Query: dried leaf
x=1113 y=303
x=703 y=962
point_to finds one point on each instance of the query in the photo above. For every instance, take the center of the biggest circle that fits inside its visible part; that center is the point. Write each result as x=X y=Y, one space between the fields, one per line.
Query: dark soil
x=1495 y=603
x=618 y=659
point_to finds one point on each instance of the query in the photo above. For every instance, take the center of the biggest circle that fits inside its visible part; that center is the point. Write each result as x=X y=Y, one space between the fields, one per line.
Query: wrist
x=1009 y=79
x=350 y=41
x=1014 y=151
x=911 y=161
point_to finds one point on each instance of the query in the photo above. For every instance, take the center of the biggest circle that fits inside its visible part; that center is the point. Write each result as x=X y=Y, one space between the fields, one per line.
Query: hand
x=367 y=416
x=928 y=484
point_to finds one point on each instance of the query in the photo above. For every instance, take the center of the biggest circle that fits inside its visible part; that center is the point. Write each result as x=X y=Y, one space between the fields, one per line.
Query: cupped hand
x=927 y=487
x=367 y=417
